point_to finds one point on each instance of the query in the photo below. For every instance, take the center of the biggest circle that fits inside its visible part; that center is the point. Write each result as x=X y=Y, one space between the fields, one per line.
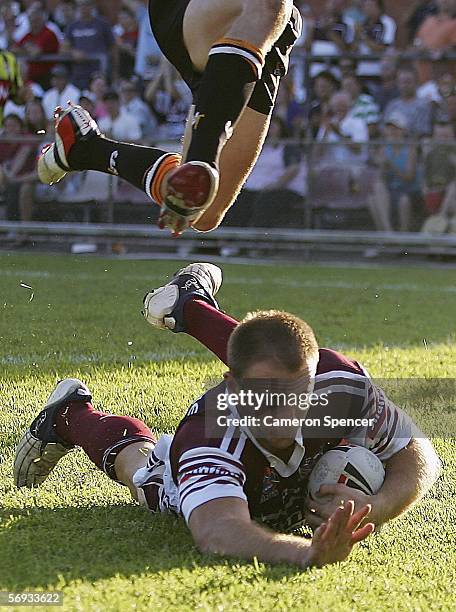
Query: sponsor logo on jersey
x=217 y=470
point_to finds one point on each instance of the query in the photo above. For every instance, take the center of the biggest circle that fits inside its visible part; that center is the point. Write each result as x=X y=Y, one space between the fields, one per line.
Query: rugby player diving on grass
x=243 y=491
x=232 y=55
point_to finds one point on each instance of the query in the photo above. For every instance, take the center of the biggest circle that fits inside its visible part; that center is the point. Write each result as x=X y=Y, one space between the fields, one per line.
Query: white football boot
x=40 y=448
x=164 y=307
x=72 y=124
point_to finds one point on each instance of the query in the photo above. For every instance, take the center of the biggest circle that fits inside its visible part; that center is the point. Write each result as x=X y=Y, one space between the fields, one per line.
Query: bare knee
x=267 y=13
x=267 y=6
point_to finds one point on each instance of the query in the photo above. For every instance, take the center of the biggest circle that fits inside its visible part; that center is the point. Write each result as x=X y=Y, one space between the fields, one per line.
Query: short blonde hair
x=271 y=335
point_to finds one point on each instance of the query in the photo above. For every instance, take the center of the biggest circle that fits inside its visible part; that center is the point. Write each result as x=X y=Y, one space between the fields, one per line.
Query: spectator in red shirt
x=126 y=34
x=38 y=41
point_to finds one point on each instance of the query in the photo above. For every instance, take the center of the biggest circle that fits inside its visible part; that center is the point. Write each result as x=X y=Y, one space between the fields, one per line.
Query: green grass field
x=80 y=533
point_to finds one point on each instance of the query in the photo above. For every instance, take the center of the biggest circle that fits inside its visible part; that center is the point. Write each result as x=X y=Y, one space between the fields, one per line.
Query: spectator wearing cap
x=400 y=184
x=90 y=36
x=374 y=36
x=134 y=105
x=418 y=111
x=118 y=123
x=61 y=91
x=38 y=41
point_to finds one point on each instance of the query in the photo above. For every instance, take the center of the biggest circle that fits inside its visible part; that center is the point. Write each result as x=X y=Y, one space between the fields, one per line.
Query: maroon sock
x=209 y=326
x=101 y=435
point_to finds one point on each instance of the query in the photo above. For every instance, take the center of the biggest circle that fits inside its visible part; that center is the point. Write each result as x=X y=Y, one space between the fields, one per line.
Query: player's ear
x=231 y=383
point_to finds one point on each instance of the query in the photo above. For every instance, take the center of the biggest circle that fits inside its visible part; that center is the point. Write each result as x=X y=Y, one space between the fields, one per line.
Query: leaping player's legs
x=228 y=41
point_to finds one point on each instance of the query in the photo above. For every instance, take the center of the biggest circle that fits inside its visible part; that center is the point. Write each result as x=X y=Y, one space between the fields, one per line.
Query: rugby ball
x=354 y=466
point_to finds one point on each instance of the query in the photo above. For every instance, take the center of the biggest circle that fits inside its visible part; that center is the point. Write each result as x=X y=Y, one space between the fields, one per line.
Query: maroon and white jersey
x=201 y=467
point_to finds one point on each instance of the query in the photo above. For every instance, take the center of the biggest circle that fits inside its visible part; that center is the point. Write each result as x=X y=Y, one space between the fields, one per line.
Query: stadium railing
x=330 y=212
x=249 y=243
x=67 y=58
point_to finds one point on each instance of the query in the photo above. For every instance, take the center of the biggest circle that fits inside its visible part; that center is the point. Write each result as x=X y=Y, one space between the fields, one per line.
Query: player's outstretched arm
x=224 y=527
x=410 y=473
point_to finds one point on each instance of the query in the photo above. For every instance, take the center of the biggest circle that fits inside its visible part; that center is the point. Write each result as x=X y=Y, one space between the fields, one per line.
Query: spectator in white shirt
x=338 y=125
x=61 y=91
x=118 y=124
x=364 y=106
x=134 y=105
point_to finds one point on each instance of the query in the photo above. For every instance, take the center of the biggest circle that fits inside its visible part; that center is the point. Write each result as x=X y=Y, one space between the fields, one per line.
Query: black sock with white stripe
x=130 y=162
x=232 y=70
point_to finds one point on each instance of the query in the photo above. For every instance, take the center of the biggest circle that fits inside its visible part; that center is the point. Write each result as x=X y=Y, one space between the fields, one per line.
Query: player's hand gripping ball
x=350 y=465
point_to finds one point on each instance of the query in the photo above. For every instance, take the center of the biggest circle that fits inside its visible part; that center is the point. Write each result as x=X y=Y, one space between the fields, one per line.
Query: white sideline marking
x=242 y=280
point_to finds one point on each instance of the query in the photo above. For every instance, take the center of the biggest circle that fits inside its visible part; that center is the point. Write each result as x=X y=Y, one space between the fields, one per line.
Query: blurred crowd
x=367 y=117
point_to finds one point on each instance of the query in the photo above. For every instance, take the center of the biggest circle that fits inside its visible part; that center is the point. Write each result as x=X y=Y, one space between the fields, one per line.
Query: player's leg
x=187 y=304
x=69 y=420
x=229 y=43
x=79 y=145
x=237 y=159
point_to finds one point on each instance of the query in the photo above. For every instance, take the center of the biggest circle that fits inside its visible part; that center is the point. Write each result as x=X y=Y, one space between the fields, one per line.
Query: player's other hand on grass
x=334 y=539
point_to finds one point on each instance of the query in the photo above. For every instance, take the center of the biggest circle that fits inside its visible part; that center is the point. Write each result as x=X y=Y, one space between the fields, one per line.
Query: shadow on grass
x=43 y=548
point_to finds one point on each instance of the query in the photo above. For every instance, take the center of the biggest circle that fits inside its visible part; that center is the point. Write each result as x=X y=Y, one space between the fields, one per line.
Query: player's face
x=299 y=382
